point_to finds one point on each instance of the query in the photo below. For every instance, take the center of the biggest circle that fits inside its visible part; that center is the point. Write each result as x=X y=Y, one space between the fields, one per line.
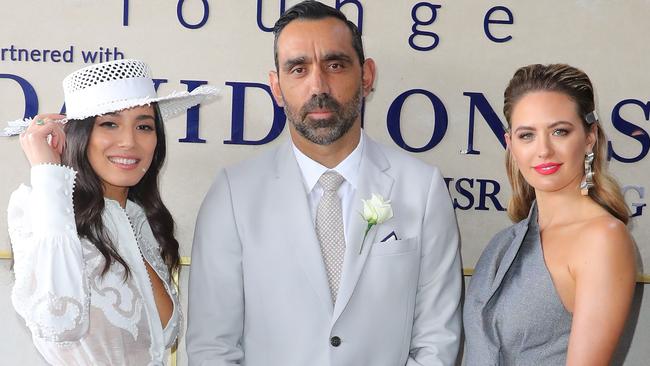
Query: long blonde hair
x=574 y=83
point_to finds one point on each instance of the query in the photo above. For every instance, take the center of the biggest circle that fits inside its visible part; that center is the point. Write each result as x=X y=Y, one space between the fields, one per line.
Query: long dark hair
x=88 y=196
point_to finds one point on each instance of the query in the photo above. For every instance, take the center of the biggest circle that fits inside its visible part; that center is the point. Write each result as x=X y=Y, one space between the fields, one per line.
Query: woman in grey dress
x=555 y=288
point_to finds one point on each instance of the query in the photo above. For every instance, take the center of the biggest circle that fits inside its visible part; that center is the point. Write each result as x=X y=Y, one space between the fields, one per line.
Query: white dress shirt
x=348 y=168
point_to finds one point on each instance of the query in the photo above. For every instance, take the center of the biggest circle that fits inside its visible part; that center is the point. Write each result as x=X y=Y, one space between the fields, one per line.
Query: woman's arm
x=50 y=291
x=605 y=275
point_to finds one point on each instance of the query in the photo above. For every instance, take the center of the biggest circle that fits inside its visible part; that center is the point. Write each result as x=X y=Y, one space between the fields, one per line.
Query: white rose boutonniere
x=376 y=211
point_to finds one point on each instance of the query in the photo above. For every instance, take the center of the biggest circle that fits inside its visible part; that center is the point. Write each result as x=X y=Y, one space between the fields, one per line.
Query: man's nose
x=318 y=82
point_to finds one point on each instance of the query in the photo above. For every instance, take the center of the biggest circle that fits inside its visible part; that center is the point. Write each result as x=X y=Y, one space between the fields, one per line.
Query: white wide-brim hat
x=114 y=86
x=122 y=84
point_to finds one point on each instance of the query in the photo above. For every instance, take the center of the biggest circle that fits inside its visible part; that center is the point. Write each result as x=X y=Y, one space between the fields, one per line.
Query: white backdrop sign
x=442 y=69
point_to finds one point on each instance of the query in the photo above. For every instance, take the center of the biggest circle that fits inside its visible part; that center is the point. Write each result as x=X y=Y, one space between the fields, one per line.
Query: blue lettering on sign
x=488 y=20
x=418 y=22
x=637 y=206
x=201 y=23
x=394 y=120
x=192 y=134
x=339 y=5
x=237 y=123
x=483 y=195
x=260 y=23
x=14 y=53
x=465 y=193
x=478 y=101
x=102 y=55
x=631 y=130
x=125 y=13
x=31 y=100
x=487 y=189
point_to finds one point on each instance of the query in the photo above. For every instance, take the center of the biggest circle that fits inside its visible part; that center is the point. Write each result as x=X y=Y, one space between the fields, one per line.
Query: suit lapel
x=372 y=179
x=511 y=253
x=300 y=231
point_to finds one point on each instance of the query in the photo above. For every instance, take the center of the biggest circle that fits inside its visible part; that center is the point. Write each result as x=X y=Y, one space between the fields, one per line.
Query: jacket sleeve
x=50 y=291
x=216 y=293
x=436 y=330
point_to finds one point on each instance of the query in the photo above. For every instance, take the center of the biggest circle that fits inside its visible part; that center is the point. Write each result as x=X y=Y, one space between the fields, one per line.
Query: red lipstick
x=547 y=168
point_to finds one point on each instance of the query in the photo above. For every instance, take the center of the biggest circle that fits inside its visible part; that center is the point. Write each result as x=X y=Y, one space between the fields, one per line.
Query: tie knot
x=331 y=180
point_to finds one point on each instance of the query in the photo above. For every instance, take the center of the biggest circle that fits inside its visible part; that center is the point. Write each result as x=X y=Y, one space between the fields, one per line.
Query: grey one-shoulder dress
x=513 y=314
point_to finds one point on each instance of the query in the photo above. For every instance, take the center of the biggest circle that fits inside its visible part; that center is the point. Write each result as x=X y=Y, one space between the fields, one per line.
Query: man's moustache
x=320 y=101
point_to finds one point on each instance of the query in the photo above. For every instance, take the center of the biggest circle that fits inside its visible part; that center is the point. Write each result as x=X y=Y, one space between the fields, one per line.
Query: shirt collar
x=312 y=170
x=132 y=209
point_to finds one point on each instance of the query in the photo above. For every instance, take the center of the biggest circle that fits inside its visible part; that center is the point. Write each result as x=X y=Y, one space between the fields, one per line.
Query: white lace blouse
x=76 y=315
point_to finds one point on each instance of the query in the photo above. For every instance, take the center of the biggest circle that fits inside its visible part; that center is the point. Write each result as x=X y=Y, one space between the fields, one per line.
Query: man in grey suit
x=288 y=266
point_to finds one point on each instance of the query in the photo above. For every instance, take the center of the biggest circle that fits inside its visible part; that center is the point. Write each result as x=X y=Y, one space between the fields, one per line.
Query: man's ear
x=368 y=80
x=274 y=81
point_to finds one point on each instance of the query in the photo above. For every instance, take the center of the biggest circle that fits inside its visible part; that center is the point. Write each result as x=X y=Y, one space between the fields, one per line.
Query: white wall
x=606 y=39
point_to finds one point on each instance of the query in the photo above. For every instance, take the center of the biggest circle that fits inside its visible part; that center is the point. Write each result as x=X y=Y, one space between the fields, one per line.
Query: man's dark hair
x=313 y=10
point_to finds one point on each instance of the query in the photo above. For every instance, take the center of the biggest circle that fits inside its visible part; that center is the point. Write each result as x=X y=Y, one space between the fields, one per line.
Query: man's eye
x=336 y=66
x=297 y=70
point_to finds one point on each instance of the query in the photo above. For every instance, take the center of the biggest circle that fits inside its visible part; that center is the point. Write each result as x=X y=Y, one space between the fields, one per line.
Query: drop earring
x=588 y=180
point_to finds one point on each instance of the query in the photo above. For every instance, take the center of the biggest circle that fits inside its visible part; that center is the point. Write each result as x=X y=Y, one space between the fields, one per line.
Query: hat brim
x=170 y=105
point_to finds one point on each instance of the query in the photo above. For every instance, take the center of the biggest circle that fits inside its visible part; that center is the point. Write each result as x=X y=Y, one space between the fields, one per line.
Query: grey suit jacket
x=258 y=286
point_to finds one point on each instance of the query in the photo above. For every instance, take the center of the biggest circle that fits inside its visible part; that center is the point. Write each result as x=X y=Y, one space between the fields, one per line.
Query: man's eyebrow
x=290 y=63
x=337 y=56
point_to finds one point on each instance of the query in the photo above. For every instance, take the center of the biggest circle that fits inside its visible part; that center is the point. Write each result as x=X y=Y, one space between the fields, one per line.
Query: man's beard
x=328 y=130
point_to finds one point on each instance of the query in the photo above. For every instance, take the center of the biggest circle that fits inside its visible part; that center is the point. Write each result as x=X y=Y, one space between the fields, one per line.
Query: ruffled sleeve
x=51 y=290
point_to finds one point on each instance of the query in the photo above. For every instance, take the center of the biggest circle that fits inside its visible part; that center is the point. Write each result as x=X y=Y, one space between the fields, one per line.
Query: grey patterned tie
x=329 y=229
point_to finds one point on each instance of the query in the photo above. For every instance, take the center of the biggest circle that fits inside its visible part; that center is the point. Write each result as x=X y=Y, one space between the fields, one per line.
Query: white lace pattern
x=76 y=315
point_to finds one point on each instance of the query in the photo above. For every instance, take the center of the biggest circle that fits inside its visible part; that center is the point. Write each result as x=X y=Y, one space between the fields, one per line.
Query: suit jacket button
x=335 y=341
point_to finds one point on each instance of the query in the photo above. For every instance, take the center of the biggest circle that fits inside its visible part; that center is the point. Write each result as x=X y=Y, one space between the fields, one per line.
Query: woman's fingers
x=44 y=139
x=48 y=116
x=58 y=139
x=42 y=123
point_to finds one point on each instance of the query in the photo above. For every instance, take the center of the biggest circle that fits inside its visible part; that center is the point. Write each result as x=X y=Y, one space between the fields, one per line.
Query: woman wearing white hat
x=93 y=243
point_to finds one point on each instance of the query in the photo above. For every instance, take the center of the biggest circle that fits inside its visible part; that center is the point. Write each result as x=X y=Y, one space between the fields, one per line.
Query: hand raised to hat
x=44 y=140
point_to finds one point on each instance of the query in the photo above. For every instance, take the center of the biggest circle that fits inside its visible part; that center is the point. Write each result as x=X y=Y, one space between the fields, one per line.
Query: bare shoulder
x=605 y=243
x=604 y=231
